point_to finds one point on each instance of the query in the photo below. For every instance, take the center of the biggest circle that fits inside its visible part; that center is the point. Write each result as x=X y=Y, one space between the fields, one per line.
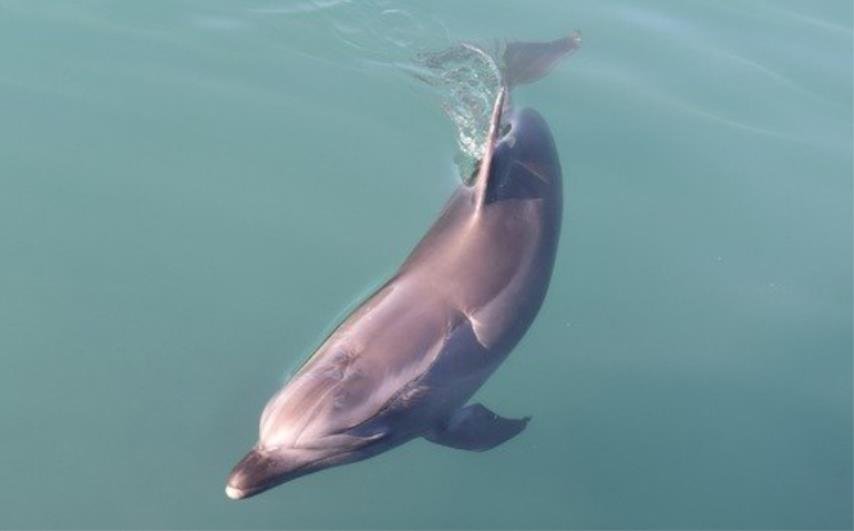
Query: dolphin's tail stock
x=522 y=63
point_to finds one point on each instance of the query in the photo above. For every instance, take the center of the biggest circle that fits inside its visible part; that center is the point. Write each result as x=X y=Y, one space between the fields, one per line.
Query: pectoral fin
x=476 y=428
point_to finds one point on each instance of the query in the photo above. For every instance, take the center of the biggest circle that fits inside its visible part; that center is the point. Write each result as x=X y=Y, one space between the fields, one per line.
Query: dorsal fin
x=481 y=182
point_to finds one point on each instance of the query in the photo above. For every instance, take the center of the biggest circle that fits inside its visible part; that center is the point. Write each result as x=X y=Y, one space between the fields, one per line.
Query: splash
x=388 y=34
x=466 y=78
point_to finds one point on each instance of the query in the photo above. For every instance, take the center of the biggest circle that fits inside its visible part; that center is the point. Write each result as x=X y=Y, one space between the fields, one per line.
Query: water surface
x=191 y=191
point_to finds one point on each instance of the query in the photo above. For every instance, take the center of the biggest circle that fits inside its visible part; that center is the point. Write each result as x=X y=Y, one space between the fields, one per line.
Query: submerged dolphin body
x=405 y=363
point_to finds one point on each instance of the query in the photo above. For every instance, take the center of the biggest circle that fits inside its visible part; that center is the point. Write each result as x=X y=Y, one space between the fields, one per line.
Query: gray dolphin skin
x=407 y=361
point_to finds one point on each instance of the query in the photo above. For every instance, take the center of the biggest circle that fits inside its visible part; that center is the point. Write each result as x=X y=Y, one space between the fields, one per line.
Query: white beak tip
x=234 y=494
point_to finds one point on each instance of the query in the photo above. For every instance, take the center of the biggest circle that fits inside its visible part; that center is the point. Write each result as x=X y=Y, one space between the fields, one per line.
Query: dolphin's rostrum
x=405 y=363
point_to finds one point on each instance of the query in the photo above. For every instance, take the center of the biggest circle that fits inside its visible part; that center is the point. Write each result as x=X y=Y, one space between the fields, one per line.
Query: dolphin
x=406 y=362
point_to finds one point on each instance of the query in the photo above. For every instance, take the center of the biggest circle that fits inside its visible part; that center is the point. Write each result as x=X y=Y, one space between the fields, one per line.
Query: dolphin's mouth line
x=239 y=494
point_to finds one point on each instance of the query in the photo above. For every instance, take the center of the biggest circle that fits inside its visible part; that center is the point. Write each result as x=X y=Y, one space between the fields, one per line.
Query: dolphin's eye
x=342 y=357
x=332 y=372
x=506 y=128
x=340 y=399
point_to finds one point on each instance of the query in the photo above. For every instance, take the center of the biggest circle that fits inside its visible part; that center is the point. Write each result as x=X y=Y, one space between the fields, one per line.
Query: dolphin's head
x=261 y=470
x=320 y=419
x=264 y=468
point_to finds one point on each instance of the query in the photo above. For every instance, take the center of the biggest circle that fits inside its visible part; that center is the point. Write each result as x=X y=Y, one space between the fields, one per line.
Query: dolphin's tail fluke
x=526 y=62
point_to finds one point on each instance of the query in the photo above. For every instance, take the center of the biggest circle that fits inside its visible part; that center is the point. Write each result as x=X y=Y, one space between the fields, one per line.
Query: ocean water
x=192 y=191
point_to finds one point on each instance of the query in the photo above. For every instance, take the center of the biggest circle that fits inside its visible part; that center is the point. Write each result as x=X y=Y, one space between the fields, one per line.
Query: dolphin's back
x=494 y=264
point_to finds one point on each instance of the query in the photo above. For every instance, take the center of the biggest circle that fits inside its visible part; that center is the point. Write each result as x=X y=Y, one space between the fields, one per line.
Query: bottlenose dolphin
x=405 y=363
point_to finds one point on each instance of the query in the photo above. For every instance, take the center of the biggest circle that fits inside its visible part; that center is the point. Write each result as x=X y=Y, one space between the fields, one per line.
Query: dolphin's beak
x=259 y=471
x=236 y=494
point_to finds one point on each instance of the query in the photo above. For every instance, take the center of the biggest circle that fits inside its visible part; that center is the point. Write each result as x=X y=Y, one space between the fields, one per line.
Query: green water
x=191 y=191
